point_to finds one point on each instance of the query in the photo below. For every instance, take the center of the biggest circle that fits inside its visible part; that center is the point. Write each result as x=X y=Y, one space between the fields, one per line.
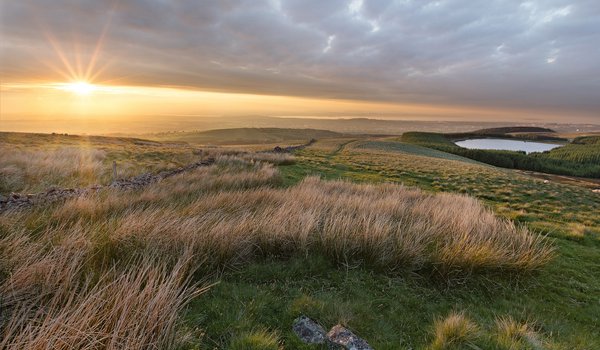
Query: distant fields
x=392 y=146
x=246 y=136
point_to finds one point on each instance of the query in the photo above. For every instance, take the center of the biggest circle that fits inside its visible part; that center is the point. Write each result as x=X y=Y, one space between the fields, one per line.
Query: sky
x=453 y=59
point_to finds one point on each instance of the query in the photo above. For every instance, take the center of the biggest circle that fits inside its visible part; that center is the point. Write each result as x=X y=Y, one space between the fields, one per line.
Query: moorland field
x=410 y=245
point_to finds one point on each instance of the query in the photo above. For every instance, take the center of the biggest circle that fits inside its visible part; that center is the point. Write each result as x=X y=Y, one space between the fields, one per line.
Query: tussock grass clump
x=51 y=301
x=514 y=335
x=134 y=309
x=456 y=331
x=387 y=226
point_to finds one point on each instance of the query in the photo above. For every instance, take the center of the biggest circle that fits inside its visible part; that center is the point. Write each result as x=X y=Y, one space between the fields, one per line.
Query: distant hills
x=240 y=136
x=512 y=129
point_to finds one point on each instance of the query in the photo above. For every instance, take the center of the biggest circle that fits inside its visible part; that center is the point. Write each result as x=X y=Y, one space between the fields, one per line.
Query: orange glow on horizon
x=81 y=99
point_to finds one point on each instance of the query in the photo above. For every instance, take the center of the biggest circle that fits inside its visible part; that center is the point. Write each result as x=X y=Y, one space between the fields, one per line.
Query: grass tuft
x=255 y=340
x=456 y=331
x=515 y=335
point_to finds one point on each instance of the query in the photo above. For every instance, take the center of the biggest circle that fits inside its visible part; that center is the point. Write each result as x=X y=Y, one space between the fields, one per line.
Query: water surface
x=507 y=145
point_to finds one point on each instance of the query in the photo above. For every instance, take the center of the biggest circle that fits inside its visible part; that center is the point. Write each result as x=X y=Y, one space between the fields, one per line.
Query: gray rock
x=309 y=331
x=340 y=337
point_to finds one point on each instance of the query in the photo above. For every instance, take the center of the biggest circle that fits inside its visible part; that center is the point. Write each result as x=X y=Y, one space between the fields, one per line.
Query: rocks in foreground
x=309 y=331
x=338 y=338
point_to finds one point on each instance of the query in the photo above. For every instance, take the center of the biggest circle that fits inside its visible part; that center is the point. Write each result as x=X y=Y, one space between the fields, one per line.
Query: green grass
x=398 y=311
x=584 y=149
x=394 y=312
x=392 y=146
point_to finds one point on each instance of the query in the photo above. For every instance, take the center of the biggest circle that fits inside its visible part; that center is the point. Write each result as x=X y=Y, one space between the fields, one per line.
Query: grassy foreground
x=404 y=268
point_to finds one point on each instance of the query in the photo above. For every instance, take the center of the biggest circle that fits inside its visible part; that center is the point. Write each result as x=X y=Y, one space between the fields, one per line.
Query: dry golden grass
x=456 y=331
x=19 y=168
x=35 y=169
x=387 y=226
x=515 y=335
x=52 y=299
x=82 y=274
x=133 y=309
x=65 y=286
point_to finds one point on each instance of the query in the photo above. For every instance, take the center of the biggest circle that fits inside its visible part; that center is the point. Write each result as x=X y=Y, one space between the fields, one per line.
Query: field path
x=340 y=148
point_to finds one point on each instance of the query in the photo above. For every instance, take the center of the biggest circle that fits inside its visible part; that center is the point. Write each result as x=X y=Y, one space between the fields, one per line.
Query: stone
x=309 y=331
x=339 y=337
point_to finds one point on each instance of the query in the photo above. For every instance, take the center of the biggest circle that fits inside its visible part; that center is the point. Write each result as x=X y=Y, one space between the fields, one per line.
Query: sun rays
x=79 y=78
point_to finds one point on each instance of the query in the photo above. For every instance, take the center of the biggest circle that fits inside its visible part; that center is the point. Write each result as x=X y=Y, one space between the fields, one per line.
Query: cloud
x=538 y=54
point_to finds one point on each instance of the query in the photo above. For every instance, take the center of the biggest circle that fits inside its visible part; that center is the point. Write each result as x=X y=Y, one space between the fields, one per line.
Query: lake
x=507 y=145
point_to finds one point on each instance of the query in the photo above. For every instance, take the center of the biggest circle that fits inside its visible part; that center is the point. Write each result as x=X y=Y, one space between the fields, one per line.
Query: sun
x=76 y=87
x=81 y=88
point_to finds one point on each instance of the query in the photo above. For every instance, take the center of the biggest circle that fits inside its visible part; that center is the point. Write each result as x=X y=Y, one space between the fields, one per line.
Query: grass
x=258 y=340
x=455 y=331
x=585 y=149
x=35 y=162
x=512 y=334
x=246 y=136
x=552 y=208
x=383 y=258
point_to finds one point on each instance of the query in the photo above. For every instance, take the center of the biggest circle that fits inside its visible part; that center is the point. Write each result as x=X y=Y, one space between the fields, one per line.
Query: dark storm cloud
x=541 y=54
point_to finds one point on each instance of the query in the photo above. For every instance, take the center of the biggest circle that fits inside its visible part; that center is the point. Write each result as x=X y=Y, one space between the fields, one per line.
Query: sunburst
x=81 y=81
